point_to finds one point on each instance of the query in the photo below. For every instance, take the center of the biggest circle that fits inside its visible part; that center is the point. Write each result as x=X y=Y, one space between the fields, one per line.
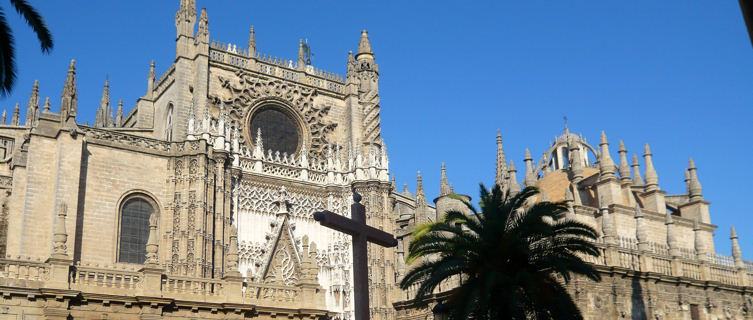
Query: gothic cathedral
x=198 y=202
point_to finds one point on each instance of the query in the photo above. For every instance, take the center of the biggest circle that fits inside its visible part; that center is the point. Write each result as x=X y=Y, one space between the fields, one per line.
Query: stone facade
x=229 y=233
x=658 y=259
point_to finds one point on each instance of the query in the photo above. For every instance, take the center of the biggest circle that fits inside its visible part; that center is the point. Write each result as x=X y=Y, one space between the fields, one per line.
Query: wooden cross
x=362 y=234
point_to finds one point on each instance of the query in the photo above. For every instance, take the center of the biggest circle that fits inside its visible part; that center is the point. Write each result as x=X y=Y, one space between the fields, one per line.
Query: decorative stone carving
x=246 y=90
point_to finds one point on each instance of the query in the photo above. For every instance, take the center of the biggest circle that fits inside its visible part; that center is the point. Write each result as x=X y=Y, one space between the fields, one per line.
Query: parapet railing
x=135 y=280
x=276 y=67
x=658 y=258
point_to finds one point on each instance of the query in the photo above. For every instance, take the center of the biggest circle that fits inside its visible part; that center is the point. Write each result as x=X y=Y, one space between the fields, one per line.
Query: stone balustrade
x=624 y=253
x=132 y=281
x=276 y=67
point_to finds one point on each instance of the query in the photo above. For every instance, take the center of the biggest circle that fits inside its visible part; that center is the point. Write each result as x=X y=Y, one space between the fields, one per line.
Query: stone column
x=60 y=262
x=151 y=273
x=233 y=280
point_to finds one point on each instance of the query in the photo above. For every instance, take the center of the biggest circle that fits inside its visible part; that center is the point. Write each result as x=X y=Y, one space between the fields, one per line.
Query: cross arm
x=337 y=222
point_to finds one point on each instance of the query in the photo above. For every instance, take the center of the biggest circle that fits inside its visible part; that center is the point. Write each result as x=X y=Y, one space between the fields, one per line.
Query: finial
x=513 y=179
x=695 y=190
x=252 y=42
x=3 y=119
x=624 y=166
x=364 y=47
x=637 y=179
x=501 y=169
x=69 y=98
x=419 y=188
x=301 y=54
x=119 y=115
x=444 y=185
x=737 y=254
x=732 y=233
x=16 y=115
x=530 y=177
x=652 y=179
x=606 y=165
x=47 y=104
x=32 y=108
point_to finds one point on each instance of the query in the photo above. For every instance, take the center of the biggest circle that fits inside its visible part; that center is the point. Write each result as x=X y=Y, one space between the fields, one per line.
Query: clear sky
x=675 y=74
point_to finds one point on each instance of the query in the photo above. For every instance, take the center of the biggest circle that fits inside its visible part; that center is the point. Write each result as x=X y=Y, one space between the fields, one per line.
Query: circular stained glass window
x=279 y=132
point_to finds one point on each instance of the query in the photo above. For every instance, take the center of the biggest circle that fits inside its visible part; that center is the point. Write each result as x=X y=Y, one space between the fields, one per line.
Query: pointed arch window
x=169 y=123
x=135 y=211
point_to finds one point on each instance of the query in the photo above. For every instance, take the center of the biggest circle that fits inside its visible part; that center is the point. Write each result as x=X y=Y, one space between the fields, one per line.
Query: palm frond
x=7 y=57
x=36 y=22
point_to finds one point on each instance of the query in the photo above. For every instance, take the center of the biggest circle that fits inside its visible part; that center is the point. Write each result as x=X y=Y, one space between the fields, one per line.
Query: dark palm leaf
x=36 y=22
x=7 y=49
x=513 y=257
x=7 y=56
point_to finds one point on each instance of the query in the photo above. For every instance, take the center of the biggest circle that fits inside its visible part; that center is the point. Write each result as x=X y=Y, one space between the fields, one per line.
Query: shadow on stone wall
x=637 y=306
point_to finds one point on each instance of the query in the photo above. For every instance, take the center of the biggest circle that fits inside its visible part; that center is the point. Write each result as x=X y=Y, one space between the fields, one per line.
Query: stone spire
x=252 y=42
x=393 y=184
x=185 y=18
x=444 y=185
x=152 y=244
x=624 y=166
x=60 y=236
x=105 y=110
x=672 y=240
x=737 y=254
x=301 y=55
x=69 y=99
x=513 y=185
x=695 y=191
x=501 y=175
x=420 y=195
x=4 y=118
x=530 y=177
x=700 y=245
x=150 y=81
x=637 y=180
x=641 y=232
x=119 y=115
x=652 y=179
x=202 y=34
x=364 y=47
x=606 y=165
x=47 y=104
x=32 y=108
x=16 y=120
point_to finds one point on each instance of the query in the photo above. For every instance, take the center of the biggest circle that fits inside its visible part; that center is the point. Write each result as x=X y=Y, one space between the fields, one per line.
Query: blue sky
x=675 y=74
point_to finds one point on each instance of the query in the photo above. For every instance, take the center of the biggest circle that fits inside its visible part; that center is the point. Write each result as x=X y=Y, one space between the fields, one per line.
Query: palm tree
x=513 y=258
x=7 y=49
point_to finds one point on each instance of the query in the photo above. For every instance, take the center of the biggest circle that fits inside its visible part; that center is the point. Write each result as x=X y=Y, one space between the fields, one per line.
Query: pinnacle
x=691 y=163
x=364 y=46
x=622 y=147
x=512 y=166
x=635 y=160
x=528 y=155
x=603 y=138
x=732 y=233
x=647 y=150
